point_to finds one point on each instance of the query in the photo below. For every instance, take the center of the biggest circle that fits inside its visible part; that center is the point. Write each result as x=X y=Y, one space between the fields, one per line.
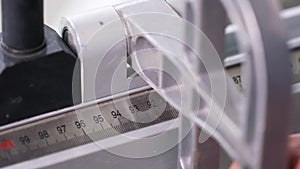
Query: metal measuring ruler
x=81 y=125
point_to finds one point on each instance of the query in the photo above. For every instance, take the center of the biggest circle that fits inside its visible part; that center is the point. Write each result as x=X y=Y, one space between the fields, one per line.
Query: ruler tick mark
x=119 y=121
x=101 y=126
x=83 y=132
x=47 y=142
x=65 y=137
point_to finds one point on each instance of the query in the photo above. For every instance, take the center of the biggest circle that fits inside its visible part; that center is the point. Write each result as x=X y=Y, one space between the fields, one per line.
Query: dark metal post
x=22 y=26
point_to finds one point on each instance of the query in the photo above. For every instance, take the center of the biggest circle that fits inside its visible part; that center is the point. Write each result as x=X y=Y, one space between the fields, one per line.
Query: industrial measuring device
x=133 y=118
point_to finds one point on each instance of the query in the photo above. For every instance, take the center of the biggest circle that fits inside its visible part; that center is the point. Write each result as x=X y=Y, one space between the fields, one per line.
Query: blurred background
x=55 y=9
